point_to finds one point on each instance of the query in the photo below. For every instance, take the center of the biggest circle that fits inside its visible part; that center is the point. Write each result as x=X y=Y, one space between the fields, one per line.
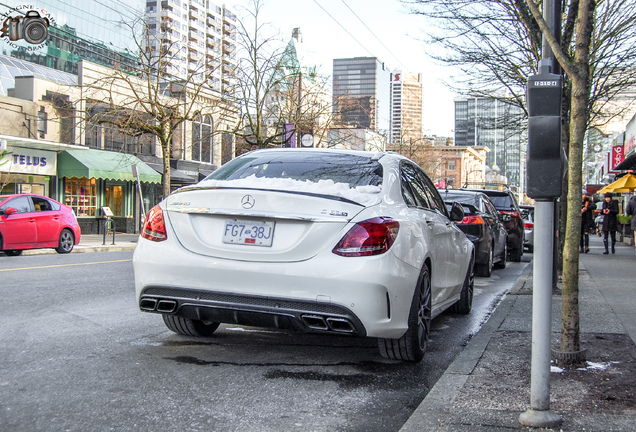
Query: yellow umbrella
x=627 y=183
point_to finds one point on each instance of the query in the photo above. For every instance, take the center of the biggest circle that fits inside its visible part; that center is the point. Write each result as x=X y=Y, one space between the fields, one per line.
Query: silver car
x=527 y=214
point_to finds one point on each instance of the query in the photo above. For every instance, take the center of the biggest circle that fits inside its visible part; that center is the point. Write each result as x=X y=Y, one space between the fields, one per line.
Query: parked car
x=319 y=240
x=527 y=214
x=29 y=221
x=506 y=203
x=483 y=225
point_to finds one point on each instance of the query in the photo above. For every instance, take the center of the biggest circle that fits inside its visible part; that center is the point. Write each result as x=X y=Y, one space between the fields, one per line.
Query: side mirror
x=10 y=211
x=456 y=212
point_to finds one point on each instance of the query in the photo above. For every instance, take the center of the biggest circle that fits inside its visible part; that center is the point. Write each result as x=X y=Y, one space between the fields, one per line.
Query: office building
x=498 y=125
x=97 y=31
x=361 y=94
x=406 y=107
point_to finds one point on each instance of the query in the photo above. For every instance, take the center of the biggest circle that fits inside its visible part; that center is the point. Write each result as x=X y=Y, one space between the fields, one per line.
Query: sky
x=374 y=28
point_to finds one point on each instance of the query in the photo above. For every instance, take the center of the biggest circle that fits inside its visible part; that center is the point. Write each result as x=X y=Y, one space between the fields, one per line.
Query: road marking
x=63 y=265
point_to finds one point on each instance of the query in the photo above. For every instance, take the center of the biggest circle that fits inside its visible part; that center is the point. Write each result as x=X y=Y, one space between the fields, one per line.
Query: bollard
x=109 y=224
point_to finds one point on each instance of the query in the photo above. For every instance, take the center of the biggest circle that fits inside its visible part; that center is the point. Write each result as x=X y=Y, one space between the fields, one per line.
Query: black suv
x=506 y=203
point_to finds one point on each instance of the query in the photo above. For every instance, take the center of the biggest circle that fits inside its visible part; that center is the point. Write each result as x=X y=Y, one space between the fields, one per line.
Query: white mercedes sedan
x=317 y=240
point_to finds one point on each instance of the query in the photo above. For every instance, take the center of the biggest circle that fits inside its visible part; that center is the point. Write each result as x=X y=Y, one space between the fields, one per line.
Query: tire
x=189 y=327
x=13 y=252
x=412 y=345
x=504 y=259
x=515 y=254
x=66 y=242
x=465 y=303
x=485 y=270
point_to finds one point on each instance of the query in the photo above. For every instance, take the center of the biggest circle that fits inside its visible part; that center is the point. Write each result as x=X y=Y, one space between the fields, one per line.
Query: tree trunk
x=579 y=115
x=570 y=333
x=165 y=156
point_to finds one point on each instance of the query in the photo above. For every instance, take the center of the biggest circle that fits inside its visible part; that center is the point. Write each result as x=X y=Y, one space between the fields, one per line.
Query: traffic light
x=546 y=159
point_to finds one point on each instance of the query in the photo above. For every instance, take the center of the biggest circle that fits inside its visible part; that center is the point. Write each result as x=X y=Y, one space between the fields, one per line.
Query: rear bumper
x=368 y=296
x=252 y=310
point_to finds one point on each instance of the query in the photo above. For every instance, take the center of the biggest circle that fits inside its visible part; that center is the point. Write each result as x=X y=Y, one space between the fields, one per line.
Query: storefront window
x=115 y=199
x=81 y=196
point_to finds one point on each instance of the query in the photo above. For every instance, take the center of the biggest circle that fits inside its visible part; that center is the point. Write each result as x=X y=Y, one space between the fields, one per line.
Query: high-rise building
x=499 y=125
x=200 y=35
x=361 y=94
x=406 y=107
x=97 y=31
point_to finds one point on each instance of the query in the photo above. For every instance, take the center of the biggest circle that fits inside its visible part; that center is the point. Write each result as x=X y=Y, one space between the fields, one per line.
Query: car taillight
x=154 y=227
x=472 y=220
x=528 y=225
x=371 y=237
x=512 y=213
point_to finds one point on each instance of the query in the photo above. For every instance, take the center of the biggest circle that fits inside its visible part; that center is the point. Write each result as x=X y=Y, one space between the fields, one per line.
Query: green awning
x=102 y=164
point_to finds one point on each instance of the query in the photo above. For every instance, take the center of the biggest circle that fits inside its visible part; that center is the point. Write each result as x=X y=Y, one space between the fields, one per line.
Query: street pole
x=539 y=414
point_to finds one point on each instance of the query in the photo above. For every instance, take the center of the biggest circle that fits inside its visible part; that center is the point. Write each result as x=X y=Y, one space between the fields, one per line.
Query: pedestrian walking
x=631 y=211
x=610 y=221
x=587 y=221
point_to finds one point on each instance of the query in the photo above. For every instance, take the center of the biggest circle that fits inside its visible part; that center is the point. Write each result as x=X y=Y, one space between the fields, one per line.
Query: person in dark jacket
x=630 y=210
x=587 y=221
x=610 y=221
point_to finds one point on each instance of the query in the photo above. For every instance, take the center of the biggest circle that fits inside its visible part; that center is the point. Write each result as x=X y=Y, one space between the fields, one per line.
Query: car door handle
x=32 y=220
x=430 y=223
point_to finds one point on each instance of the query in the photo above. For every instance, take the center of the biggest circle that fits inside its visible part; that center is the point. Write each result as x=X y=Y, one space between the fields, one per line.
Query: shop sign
x=28 y=161
x=618 y=156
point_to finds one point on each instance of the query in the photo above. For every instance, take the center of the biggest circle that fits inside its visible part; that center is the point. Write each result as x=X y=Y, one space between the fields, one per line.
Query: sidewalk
x=488 y=385
x=95 y=243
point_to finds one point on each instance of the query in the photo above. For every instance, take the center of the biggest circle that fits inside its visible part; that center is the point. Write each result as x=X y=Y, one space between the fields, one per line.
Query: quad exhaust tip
x=338 y=325
x=150 y=304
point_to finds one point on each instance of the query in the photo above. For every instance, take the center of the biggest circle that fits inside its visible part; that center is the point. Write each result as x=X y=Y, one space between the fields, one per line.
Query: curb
x=435 y=407
x=83 y=249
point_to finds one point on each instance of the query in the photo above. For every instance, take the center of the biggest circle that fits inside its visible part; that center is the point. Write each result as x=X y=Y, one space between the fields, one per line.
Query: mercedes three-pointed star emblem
x=247 y=202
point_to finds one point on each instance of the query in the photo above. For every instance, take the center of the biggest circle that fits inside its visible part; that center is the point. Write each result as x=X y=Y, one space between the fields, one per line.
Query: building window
x=202 y=141
x=81 y=196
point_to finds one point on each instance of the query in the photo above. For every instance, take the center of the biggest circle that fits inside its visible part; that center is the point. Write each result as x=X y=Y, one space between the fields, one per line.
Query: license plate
x=248 y=232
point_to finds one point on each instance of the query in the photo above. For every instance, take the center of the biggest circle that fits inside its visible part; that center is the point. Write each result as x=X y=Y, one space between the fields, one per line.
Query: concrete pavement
x=488 y=384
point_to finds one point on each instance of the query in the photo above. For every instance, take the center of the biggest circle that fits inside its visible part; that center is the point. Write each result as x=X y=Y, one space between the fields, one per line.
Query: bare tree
x=153 y=100
x=278 y=97
x=497 y=45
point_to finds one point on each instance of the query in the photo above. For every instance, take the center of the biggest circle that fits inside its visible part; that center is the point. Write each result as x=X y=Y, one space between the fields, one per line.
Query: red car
x=29 y=221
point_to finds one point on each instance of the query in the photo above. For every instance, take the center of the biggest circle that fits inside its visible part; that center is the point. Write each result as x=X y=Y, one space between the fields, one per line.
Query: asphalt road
x=78 y=355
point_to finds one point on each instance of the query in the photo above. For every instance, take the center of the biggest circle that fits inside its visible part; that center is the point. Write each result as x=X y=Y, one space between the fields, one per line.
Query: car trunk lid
x=257 y=225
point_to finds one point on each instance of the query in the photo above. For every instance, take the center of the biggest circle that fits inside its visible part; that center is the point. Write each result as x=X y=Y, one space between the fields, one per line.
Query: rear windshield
x=341 y=168
x=462 y=199
x=502 y=201
x=469 y=209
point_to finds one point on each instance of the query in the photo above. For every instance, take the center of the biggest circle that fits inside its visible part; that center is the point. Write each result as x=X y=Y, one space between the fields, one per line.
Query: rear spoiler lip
x=256 y=214
x=332 y=197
